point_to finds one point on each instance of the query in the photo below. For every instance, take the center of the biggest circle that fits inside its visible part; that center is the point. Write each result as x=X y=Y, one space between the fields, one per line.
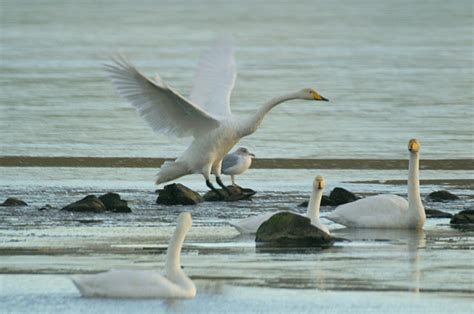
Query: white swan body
x=250 y=225
x=123 y=283
x=387 y=211
x=237 y=163
x=206 y=115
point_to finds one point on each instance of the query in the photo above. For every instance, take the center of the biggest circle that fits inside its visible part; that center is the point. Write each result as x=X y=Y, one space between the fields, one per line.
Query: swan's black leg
x=219 y=181
x=209 y=185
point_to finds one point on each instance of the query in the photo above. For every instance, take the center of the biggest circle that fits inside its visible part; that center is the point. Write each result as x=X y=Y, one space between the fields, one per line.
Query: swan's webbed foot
x=226 y=189
x=209 y=185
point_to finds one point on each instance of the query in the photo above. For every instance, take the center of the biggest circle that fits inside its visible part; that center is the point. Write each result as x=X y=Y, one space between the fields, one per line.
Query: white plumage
x=206 y=116
x=387 y=211
x=237 y=163
x=124 y=283
x=250 y=225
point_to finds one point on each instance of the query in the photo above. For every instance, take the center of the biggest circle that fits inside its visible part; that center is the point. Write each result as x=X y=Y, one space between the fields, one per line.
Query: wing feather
x=215 y=79
x=159 y=105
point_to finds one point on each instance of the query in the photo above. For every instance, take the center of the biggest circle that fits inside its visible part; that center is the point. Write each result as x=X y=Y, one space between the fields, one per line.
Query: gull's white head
x=414 y=145
x=319 y=183
x=245 y=152
x=311 y=94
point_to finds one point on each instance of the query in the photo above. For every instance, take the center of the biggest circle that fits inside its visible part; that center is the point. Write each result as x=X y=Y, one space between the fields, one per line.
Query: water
x=393 y=70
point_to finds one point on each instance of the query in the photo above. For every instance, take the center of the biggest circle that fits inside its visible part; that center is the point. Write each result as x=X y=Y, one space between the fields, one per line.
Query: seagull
x=205 y=115
x=237 y=163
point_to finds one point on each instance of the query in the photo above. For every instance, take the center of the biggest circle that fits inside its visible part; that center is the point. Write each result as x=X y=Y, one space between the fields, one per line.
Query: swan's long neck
x=313 y=206
x=416 y=211
x=173 y=254
x=251 y=124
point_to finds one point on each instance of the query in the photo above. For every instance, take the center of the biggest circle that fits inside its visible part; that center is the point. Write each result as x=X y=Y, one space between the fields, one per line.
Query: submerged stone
x=114 y=203
x=288 y=229
x=325 y=201
x=463 y=219
x=90 y=203
x=342 y=196
x=434 y=213
x=177 y=194
x=441 y=196
x=237 y=193
x=13 y=201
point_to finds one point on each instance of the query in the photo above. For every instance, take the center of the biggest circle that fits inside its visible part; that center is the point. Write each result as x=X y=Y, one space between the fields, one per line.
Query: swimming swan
x=250 y=225
x=386 y=210
x=121 y=283
x=206 y=115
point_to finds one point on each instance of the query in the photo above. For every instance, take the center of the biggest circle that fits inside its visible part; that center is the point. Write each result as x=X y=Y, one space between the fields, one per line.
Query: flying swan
x=250 y=225
x=206 y=115
x=386 y=210
x=237 y=163
x=121 y=283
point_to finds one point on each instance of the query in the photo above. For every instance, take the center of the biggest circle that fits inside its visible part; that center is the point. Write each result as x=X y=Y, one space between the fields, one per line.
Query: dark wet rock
x=45 y=207
x=434 y=213
x=342 y=196
x=288 y=229
x=463 y=219
x=441 y=196
x=114 y=203
x=177 y=194
x=325 y=201
x=237 y=193
x=90 y=203
x=13 y=201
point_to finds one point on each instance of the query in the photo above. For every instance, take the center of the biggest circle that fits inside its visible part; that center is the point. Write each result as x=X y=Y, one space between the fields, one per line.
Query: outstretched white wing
x=162 y=108
x=215 y=79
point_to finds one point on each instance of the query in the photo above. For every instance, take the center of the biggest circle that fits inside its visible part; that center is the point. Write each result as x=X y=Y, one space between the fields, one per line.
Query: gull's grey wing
x=229 y=161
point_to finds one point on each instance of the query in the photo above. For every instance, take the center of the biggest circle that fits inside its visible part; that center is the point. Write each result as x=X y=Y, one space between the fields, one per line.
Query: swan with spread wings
x=205 y=115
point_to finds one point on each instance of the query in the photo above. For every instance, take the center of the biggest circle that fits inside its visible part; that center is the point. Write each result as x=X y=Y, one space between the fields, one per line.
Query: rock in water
x=90 y=203
x=288 y=229
x=114 y=203
x=237 y=193
x=441 y=196
x=463 y=219
x=13 y=201
x=325 y=201
x=342 y=196
x=434 y=213
x=177 y=194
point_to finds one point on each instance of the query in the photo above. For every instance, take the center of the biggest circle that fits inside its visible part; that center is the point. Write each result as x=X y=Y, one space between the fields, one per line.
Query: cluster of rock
x=110 y=202
x=178 y=194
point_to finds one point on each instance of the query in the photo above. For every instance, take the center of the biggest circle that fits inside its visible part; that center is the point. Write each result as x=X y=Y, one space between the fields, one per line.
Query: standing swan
x=250 y=225
x=386 y=210
x=118 y=283
x=206 y=115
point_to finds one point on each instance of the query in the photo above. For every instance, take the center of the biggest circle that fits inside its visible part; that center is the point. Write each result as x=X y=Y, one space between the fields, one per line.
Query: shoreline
x=260 y=163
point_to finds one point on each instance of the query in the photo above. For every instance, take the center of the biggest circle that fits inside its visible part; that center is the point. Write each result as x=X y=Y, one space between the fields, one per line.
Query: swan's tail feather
x=171 y=170
x=79 y=283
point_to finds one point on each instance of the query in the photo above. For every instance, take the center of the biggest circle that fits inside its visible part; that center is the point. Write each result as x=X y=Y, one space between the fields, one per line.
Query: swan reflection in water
x=397 y=246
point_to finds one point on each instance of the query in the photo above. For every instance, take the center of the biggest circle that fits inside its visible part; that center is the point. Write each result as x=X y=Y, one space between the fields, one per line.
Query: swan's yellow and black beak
x=316 y=96
x=319 y=182
x=414 y=145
